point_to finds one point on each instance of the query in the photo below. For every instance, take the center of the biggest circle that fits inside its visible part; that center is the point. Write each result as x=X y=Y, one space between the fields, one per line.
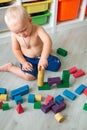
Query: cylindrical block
x=40 y=77
x=59 y=117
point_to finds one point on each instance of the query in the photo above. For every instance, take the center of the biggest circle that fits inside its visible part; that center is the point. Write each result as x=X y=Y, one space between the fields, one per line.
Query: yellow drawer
x=35 y=7
x=4 y=1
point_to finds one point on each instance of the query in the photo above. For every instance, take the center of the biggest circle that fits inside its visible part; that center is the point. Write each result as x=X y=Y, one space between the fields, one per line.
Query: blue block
x=69 y=94
x=19 y=91
x=80 y=89
x=18 y=99
x=3 y=91
x=31 y=98
x=59 y=99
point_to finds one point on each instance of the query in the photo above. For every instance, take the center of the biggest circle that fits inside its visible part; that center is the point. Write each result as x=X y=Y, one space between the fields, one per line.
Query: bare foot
x=6 y=67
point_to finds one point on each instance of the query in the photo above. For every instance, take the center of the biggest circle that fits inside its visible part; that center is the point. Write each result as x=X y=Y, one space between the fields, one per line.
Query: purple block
x=54 y=80
x=58 y=108
x=46 y=108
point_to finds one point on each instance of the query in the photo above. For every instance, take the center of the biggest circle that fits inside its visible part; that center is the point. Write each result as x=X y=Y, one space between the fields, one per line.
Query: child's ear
x=30 y=20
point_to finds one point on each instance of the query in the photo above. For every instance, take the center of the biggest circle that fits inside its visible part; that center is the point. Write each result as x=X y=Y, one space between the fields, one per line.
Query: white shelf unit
x=53 y=25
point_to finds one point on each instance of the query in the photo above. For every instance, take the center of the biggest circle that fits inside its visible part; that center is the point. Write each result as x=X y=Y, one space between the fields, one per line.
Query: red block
x=48 y=99
x=19 y=108
x=73 y=70
x=79 y=73
x=85 y=91
x=1 y=105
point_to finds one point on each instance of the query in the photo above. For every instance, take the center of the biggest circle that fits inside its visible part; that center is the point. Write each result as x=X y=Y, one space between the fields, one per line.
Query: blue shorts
x=53 y=64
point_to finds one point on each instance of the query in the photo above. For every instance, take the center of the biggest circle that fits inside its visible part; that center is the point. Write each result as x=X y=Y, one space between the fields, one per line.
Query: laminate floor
x=75 y=42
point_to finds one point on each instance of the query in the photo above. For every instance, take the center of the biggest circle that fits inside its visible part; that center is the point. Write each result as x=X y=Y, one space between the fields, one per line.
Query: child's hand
x=42 y=63
x=27 y=66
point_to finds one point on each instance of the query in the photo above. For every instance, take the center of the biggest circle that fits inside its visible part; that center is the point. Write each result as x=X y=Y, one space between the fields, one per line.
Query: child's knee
x=29 y=77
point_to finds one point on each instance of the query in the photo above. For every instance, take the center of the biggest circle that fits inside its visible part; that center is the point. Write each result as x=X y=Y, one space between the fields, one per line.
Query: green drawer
x=40 y=18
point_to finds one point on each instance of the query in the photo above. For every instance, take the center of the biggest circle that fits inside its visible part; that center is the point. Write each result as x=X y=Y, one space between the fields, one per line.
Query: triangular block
x=19 y=108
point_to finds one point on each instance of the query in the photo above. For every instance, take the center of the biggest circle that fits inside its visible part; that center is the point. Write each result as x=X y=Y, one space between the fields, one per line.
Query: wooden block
x=62 y=52
x=79 y=73
x=59 y=117
x=59 y=99
x=38 y=97
x=40 y=77
x=85 y=107
x=85 y=91
x=54 y=80
x=3 y=97
x=48 y=99
x=73 y=70
x=37 y=105
x=31 y=98
x=44 y=87
x=19 y=91
x=19 y=108
x=69 y=94
x=3 y=91
x=80 y=89
x=1 y=104
x=5 y=106
x=18 y=99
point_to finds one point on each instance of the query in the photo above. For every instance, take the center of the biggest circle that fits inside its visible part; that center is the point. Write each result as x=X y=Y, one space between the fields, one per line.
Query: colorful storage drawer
x=68 y=9
x=36 y=7
x=41 y=18
x=4 y=1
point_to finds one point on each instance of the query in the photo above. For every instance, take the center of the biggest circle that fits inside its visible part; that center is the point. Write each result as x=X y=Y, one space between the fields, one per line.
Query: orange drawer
x=68 y=9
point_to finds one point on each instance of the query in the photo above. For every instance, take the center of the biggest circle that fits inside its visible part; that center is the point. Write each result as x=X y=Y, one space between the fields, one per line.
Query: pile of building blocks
x=36 y=99
x=55 y=105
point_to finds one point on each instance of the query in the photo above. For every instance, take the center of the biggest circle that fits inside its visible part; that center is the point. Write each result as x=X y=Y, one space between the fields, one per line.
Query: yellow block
x=38 y=97
x=4 y=1
x=59 y=117
x=3 y=97
x=40 y=77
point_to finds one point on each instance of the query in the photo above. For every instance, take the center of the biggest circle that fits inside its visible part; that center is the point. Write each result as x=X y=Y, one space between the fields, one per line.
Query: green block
x=63 y=85
x=62 y=52
x=37 y=105
x=85 y=107
x=5 y=106
x=44 y=87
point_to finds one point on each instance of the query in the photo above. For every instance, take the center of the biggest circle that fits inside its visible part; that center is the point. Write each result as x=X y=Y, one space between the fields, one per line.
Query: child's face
x=23 y=29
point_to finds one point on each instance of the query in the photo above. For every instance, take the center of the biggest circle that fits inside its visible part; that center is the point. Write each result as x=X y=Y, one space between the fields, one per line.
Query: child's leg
x=17 y=71
x=53 y=63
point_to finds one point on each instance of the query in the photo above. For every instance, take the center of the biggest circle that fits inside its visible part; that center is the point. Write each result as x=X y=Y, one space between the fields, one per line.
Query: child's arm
x=47 y=47
x=19 y=55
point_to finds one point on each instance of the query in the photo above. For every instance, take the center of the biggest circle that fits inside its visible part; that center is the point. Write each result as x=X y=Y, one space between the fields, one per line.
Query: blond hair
x=15 y=13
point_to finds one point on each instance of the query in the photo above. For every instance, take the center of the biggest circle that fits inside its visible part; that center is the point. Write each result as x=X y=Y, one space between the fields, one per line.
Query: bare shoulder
x=13 y=37
x=15 y=43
